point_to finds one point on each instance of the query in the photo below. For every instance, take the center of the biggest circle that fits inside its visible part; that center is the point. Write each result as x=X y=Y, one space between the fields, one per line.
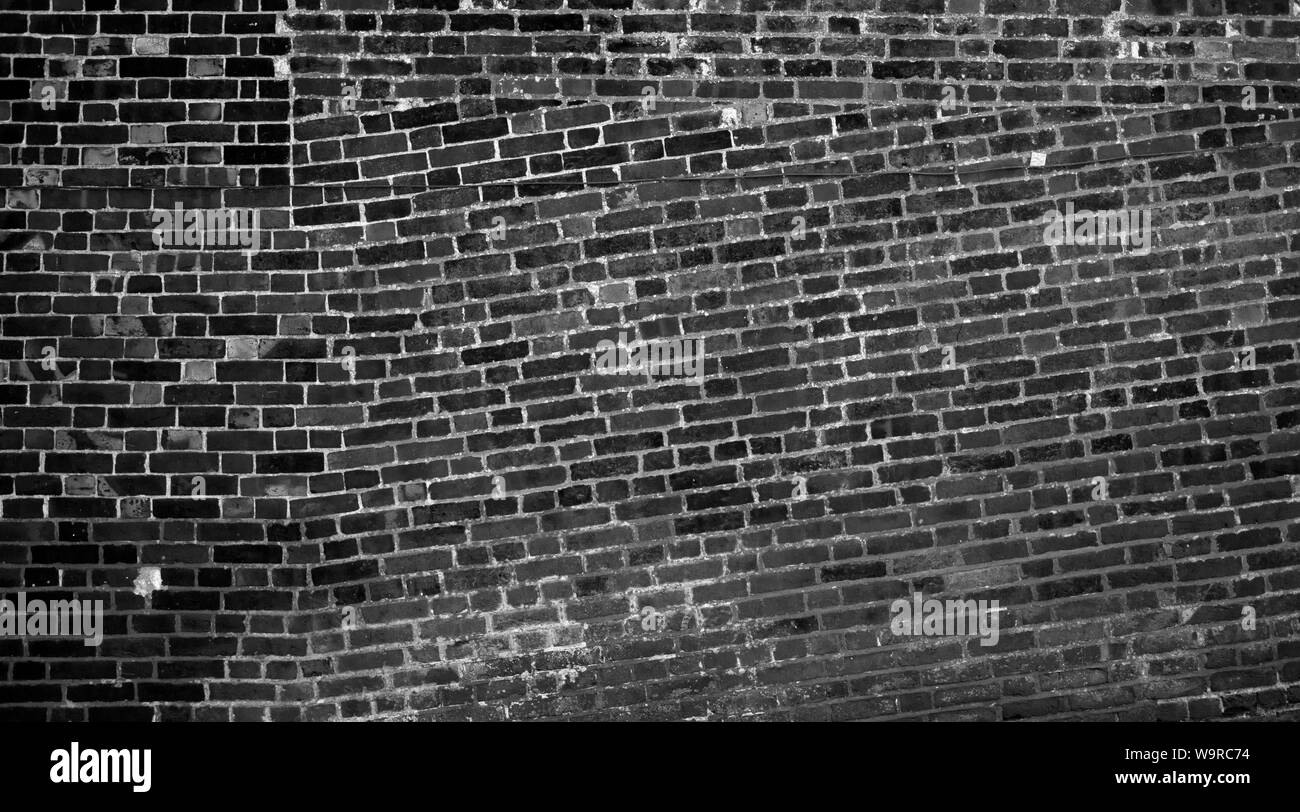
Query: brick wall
x=379 y=471
x=794 y=53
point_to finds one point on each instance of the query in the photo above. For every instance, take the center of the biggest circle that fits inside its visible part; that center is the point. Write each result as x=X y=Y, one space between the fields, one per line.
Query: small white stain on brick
x=149 y=580
x=1110 y=26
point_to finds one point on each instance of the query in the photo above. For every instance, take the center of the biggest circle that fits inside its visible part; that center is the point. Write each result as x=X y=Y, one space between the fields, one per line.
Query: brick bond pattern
x=420 y=501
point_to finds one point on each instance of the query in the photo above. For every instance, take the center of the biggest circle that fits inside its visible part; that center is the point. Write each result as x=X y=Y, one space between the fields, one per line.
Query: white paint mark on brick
x=1110 y=26
x=567 y=676
x=149 y=580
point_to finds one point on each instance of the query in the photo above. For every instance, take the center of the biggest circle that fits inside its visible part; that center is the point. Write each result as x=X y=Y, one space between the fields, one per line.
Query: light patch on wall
x=150 y=46
x=22 y=198
x=147 y=581
x=1248 y=315
x=40 y=176
x=1110 y=26
x=24 y=241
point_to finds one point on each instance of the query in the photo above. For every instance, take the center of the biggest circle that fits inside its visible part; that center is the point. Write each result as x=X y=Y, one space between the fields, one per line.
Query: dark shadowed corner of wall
x=371 y=467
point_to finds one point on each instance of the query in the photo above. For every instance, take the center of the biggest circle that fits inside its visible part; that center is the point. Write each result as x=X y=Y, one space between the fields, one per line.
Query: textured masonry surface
x=420 y=501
